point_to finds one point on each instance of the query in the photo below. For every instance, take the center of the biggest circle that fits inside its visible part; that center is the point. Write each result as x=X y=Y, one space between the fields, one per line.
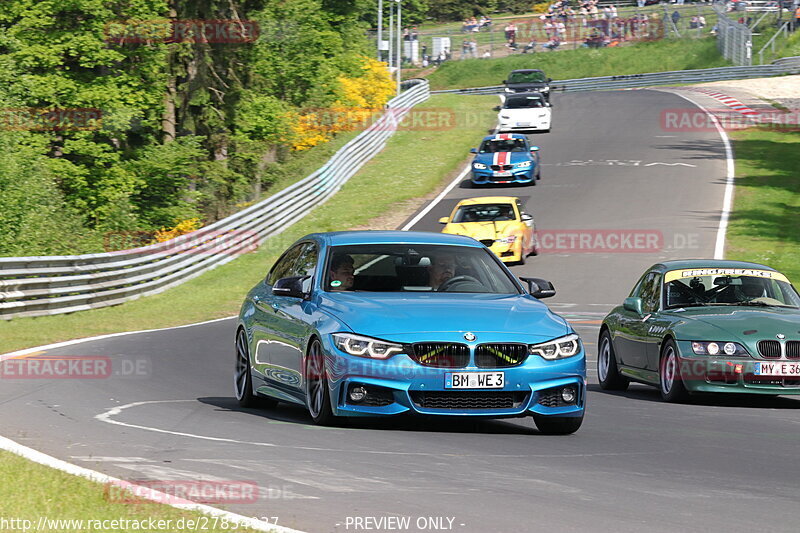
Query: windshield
x=701 y=287
x=523 y=102
x=537 y=76
x=484 y=213
x=511 y=145
x=416 y=268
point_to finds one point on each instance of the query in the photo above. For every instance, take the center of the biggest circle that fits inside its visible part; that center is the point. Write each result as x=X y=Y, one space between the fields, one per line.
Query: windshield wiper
x=693 y=304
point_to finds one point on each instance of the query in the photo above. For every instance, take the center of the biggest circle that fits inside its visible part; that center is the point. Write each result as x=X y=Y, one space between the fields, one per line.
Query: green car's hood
x=729 y=323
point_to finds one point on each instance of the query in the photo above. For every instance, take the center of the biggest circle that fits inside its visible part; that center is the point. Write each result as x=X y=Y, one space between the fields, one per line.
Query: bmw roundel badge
x=469 y=336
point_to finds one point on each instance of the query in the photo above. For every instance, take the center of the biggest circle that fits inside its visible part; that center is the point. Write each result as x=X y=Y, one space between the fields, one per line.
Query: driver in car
x=342 y=273
x=441 y=269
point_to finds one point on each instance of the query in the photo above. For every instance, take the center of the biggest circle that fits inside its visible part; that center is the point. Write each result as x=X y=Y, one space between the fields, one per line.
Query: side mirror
x=497 y=108
x=549 y=80
x=292 y=287
x=539 y=288
x=633 y=304
x=525 y=217
x=504 y=82
x=534 y=148
x=444 y=220
x=473 y=151
x=548 y=104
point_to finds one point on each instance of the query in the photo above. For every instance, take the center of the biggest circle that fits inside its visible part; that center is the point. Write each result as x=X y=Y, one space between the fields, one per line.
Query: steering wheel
x=447 y=285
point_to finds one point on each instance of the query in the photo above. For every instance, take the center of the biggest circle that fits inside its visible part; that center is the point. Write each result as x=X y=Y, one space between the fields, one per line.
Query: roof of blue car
x=339 y=238
x=513 y=136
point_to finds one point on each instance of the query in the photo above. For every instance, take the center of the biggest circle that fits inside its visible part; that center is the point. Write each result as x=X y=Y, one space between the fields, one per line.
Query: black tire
x=558 y=425
x=670 y=381
x=607 y=370
x=243 y=379
x=318 y=399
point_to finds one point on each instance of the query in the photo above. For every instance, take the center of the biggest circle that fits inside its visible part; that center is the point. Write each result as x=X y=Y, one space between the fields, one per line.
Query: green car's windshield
x=416 y=268
x=484 y=213
x=701 y=287
x=536 y=76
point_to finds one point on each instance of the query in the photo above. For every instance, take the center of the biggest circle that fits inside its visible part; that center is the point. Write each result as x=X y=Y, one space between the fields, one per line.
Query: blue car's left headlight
x=479 y=166
x=524 y=164
x=362 y=346
x=560 y=348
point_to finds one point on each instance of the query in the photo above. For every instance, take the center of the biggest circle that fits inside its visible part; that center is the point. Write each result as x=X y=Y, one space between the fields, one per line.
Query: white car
x=524 y=112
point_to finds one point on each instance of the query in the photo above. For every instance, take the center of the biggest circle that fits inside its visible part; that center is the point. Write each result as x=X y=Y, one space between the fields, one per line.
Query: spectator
x=530 y=47
x=473 y=48
x=701 y=21
x=676 y=17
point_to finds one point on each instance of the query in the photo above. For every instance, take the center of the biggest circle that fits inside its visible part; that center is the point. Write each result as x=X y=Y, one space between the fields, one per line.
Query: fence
x=734 y=39
x=37 y=286
x=787 y=65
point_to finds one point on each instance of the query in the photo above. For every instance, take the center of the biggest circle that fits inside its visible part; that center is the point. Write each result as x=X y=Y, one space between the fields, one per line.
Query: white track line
x=140 y=491
x=727 y=202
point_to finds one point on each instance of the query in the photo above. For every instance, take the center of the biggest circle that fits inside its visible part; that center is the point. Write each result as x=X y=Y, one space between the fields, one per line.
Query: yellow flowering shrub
x=359 y=98
x=181 y=228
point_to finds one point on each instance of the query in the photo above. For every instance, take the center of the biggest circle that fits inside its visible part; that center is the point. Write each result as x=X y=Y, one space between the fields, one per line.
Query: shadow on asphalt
x=748 y=401
x=294 y=414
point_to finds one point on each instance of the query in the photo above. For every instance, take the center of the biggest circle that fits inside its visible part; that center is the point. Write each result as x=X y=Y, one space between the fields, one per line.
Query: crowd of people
x=474 y=24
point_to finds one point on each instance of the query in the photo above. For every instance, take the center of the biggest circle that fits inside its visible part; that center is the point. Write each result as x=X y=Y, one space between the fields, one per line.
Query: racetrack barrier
x=780 y=67
x=39 y=286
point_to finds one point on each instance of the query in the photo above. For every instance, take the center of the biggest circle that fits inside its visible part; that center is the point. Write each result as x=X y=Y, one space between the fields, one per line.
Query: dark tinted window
x=511 y=145
x=306 y=265
x=527 y=77
x=649 y=292
x=284 y=266
x=484 y=213
x=523 y=102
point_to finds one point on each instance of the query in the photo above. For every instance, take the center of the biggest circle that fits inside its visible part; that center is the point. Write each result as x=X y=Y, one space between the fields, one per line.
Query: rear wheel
x=558 y=425
x=317 y=398
x=669 y=374
x=243 y=379
x=607 y=371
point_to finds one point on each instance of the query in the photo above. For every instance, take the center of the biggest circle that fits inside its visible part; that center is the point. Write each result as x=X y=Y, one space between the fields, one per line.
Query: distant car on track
x=705 y=326
x=528 y=80
x=383 y=323
x=499 y=222
x=524 y=112
x=505 y=158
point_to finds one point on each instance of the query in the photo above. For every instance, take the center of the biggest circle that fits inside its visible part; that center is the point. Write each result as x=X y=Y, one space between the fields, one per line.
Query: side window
x=306 y=265
x=284 y=266
x=650 y=291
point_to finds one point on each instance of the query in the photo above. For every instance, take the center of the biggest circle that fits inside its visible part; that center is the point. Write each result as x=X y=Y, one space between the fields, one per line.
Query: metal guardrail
x=38 y=286
x=788 y=65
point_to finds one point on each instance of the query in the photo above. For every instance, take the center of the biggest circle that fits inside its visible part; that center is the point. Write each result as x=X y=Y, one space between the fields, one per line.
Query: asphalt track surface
x=718 y=464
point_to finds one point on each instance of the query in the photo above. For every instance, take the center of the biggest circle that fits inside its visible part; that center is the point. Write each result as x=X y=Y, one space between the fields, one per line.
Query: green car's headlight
x=560 y=348
x=479 y=166
x=524 y=164
x=366 y=346
x=719 y=348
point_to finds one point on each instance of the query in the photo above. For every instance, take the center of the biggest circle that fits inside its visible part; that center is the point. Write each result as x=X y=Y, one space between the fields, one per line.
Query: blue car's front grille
x=441 y=354
x=502 y=167
x=500 y=355
x=468 y=399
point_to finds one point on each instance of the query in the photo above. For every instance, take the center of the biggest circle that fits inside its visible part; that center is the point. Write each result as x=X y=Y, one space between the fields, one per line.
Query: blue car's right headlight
x=560 y=348
x=361 y=346
x=479 y=166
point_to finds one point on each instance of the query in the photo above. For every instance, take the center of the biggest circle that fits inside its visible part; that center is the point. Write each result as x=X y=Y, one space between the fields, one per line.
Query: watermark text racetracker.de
x=171 y=491
x=43 y=366
x=612 y=241
x=50 y=119
x=693 y=119
x=52 y=525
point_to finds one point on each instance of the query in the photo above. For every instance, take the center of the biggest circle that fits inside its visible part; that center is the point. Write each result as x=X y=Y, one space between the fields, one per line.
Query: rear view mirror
x=534 y=148
x=473 y=151
x=539 y=288
x=633 y=304
x=525 y=217
x=444 y=220
x=497 y=108
x=292 y=287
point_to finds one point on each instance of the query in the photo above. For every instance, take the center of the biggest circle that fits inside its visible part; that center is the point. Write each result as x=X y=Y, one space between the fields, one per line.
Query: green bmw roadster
x=704 y=326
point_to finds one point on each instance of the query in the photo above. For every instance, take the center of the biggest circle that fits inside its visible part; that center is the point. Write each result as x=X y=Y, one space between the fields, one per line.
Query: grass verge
x=57 y=496
x=655 y=56
x=407 y=168
x=765 y=223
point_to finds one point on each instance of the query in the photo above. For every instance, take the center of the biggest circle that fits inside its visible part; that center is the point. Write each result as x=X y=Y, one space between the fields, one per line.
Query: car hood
x=528 y=85
x=484 y=230
x=511 y=157
x=730 y=323
x=391 y=314
x=525 y=112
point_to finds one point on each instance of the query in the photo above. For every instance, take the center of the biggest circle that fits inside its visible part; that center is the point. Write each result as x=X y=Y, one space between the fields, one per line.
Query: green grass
x=765 y=223
x=656 y=56
x=30 y=491
x=409 y=167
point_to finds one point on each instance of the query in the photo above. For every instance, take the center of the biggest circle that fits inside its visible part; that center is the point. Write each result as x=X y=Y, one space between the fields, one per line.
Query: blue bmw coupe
x=505 y=158
x=375 y=323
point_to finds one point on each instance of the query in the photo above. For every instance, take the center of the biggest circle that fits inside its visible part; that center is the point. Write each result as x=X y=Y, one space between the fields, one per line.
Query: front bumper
x=401 y=385
x=508 y=252
x=731 y=374
x=512 y=125
x=488 y=176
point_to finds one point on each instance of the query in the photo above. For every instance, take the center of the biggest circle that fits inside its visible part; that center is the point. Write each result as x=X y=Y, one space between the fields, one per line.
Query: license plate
x=776 y=369
x=474 y=380
x=503 y=174
x=523 y=124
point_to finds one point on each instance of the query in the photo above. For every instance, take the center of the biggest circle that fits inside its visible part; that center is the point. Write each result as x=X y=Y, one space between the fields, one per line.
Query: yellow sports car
x=499 y=222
